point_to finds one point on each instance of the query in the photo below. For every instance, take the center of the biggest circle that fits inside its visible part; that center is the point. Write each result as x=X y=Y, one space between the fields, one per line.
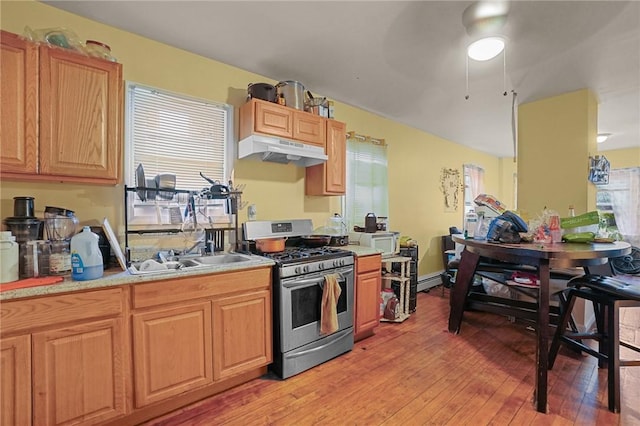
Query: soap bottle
x=86 y=257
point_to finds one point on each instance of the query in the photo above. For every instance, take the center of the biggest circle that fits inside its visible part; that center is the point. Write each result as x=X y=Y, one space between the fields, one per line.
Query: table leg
x=458 y=296
x=542 y=354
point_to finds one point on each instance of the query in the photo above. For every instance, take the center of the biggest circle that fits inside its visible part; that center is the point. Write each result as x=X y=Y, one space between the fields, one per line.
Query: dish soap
x=86 y=258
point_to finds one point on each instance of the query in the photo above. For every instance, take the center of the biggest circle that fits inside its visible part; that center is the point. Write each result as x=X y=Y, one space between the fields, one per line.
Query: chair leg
x=613 y=352
x=560 y=330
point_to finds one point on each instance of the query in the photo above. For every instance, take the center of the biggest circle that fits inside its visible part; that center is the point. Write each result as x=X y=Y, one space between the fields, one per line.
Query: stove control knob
x=297 y=270
x=320 y=266
x=305 y=268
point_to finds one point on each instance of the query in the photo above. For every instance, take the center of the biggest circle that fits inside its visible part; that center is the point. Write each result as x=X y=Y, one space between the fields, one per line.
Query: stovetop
x=298 y=254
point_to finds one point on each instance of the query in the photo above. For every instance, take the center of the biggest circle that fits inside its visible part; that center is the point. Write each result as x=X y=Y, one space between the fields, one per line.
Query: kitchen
x=183 y=72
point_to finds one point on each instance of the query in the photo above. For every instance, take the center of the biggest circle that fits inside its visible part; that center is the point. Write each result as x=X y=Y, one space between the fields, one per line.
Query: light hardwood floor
x=418 y=373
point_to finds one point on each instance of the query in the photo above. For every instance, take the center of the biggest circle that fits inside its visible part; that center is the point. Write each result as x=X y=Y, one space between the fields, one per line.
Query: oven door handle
x=318 y=280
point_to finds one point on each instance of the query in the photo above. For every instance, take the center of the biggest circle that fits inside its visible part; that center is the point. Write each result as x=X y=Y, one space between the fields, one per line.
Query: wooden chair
x=608 y=295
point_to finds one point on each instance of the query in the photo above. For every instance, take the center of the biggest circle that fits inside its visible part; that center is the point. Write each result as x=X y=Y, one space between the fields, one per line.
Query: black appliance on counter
x=298 y=282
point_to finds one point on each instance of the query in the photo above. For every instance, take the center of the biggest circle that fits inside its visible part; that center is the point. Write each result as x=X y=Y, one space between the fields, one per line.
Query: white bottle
x=470 y=222
x=86 y=258
x=9 y=269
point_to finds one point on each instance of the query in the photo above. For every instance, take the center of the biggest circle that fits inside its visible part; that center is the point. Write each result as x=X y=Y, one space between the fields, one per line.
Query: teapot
x=336 y=225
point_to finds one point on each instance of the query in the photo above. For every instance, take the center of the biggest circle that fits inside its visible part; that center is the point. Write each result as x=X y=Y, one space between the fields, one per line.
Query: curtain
x=624 y=192
x=367 y=185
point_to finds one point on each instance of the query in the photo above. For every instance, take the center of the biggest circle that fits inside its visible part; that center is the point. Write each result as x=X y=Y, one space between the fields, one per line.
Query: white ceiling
x=405 y=60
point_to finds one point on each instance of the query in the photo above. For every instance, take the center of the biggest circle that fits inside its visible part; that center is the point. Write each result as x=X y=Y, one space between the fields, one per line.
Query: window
x=473 y=186
x=621 y=196
x=367 y=188
x=173 y=133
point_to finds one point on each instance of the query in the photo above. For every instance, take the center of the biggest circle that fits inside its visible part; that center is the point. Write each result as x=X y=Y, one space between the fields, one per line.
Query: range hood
x=278 y=150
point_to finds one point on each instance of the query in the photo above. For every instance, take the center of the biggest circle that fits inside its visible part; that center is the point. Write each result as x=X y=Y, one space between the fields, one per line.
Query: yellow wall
x=415 y=157
x=556 y=136
x=623 y=158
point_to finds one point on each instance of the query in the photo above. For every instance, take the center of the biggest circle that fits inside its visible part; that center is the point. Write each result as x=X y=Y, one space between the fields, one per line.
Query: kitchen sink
x=218 y=259
x=172 y=264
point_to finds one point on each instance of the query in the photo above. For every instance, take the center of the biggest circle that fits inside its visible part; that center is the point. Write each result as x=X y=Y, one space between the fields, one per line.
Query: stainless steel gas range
x=299 y=278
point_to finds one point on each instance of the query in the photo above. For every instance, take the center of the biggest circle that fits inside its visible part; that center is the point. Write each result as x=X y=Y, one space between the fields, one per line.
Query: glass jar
x=36 y=259
x=99 y=50
x=60 y=258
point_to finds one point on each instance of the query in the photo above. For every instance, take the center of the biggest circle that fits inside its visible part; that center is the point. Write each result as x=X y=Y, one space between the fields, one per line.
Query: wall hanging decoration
x=449 y=184
x=599 y=170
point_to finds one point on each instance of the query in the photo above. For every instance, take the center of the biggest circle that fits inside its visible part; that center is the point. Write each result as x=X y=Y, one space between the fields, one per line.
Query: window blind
x=367 y=184
x=174 y=133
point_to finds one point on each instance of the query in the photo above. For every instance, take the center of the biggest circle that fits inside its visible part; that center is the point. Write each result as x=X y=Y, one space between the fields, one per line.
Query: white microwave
x=386 y=242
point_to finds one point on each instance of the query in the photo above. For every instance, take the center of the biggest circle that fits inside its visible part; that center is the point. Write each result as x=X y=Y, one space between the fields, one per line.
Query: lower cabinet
x=242 y=333
x=64 y=359
x=78 y=373
x=15 y=381
x=194 y=332
x=172 y=351
x=125 y=354
x=368 y=283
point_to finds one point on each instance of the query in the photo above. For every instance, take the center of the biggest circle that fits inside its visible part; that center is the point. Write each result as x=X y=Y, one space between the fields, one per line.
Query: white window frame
x=229 y=137
x=468 y=194
x=380 y=207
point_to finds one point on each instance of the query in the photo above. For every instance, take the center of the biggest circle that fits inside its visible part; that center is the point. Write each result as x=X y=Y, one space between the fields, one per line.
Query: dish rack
x=178 y=212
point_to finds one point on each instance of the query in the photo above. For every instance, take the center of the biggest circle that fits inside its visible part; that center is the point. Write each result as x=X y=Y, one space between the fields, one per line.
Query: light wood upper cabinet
x=19 y=104
x=258 y=116
x=330 y=178
x=63 y=121
x=80 y=99
x=172 y=351
x=242 y=333
x=367 y=295
x=309 y=128
x=15 y=381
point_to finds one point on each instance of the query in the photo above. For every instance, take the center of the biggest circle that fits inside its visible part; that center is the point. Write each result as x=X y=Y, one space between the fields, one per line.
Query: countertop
x=116 y=276
x=360 y=251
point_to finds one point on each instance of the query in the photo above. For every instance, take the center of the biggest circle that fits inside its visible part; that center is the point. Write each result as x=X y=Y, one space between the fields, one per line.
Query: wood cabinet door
x=15 y=381
x=242 y=333
x=79 y=373
x=309 y=128
x=273 y=119
x=367 y=301
x=330 y=178
x=337 y=152
x=19 y=104
x=80 y=116
x=172 y=351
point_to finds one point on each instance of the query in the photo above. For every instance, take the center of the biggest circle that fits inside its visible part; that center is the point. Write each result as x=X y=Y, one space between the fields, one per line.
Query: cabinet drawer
x=27 y=315
x=202 y=286
x=369 y=263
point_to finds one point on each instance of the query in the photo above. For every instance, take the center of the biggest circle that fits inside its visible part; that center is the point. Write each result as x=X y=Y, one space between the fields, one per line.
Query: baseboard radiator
x=426 y=282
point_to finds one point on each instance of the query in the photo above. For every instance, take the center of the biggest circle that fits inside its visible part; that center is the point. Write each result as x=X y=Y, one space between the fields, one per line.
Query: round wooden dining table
x=543 y=257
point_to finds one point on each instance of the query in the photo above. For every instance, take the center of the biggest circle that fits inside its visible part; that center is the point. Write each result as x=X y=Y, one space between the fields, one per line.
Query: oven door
x=300 y=302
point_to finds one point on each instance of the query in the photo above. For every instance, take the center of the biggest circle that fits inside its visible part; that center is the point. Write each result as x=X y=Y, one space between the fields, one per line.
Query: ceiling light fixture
x=602 y=137
x=485 y=48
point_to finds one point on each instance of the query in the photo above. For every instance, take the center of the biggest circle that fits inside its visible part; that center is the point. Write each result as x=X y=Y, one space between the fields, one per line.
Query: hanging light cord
x=514 y=123
x=504 y=72
x=466 y=96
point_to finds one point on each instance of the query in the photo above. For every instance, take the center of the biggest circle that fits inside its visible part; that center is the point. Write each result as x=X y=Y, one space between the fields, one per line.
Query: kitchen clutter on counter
x=45 y=247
